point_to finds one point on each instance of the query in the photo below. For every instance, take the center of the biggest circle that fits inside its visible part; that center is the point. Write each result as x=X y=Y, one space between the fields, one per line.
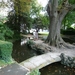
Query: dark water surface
x=57 y=69
x=22 y=52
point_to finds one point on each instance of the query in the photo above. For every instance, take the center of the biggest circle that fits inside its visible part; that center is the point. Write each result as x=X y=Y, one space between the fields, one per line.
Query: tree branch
x=65 y=10
x=63 y=13
x=49 y=8
x=52 y=7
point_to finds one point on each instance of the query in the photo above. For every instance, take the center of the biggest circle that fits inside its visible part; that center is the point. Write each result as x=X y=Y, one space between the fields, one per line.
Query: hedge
x=6 y=51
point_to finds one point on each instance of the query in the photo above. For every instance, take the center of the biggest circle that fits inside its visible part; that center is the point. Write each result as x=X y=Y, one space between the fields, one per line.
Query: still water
x=22 y=52
x=57 y=69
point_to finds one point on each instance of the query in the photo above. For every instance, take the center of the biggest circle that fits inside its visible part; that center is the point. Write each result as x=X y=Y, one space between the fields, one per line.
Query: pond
x=22 y=52
x=57 y=69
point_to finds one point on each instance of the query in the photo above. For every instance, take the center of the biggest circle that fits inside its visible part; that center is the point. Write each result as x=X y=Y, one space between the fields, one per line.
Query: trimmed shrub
x=2 y=36
x=69 y=31
x=5 y=31
x=6 y=51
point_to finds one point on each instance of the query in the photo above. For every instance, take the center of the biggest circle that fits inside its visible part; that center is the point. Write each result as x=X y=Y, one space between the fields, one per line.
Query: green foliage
x=2 y=36
x=22 y=6
x=35 y=8
x=30 y=42
x=2 y=63
x=22 y=17
x=72 y=1
x=34 y=72
x=69 y=19
x=68 y=31
x=42 y=21
x=5 y=32
x=8 y=33
x=6 y=51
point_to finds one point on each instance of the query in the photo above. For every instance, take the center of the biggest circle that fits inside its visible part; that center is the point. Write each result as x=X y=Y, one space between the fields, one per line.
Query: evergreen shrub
x=2 y=36
x=6 y=51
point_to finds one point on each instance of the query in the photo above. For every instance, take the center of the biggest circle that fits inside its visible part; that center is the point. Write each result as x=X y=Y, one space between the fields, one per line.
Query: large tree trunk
x=56 y=18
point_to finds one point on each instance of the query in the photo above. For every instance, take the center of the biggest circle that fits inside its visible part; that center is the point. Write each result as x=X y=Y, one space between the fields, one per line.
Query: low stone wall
x=41 y=47
x=67 y=56
x=67 y=60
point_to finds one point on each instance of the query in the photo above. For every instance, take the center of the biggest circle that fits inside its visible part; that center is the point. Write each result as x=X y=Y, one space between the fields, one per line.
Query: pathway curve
x=14 y=69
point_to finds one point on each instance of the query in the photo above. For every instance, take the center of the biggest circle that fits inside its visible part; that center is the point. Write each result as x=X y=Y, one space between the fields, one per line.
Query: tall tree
x=18 y=15
x=22 y=13
x=57 y=10
x=42 y=21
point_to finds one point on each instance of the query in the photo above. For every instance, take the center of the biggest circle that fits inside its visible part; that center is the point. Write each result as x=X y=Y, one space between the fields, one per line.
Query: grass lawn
x=43 y=33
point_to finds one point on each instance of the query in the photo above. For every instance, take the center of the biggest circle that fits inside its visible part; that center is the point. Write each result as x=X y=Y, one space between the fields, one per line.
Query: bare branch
x=49 y=7
x=62 y=13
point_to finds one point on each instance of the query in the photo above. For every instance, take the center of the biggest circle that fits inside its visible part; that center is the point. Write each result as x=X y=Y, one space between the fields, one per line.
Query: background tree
x=21 y=17
x=57 y=10
x=41 y=22
x=5 y=32
x=68 y=20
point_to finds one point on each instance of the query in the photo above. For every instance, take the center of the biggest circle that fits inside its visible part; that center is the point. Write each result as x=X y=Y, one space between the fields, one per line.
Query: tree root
x=61 y=44
x=45 y=47
x=69 y=46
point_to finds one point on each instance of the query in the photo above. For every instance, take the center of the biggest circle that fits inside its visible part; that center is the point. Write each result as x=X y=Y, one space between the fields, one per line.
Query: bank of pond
x=22 y=52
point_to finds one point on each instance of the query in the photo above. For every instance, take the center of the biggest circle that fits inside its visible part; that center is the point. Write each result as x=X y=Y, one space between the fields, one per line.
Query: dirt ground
x=69 y=52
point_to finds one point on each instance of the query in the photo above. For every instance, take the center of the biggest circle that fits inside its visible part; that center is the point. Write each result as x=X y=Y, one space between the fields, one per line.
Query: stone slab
x=37 y=60
x=28 y=65
x=54 y=55
x=46 y=57
x=13 y=69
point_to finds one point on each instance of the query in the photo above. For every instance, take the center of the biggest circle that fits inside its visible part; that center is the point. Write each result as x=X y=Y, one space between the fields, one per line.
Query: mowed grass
x=43 y=35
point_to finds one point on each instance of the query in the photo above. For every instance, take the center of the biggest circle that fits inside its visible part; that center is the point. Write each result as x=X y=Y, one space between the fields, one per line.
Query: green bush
x=30 y=42
x=2 y=36
x=35 y=72
x=7 y=33
x=68 y=31
x=6 y=51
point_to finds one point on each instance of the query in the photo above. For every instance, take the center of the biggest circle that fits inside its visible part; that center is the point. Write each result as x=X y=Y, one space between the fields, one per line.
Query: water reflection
x=57 y=69
x=21 y=52
x=24 y=41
